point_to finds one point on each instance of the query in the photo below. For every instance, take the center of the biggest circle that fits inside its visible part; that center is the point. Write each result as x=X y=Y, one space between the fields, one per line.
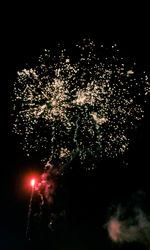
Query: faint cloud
x=128 y=229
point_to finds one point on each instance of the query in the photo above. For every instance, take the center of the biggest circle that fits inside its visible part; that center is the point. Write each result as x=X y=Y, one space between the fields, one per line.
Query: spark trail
x=87 y=103
x=29 y=215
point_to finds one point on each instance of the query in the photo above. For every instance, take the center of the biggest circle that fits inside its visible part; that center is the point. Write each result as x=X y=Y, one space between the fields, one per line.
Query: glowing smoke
x=132 y=229
x=48 y=184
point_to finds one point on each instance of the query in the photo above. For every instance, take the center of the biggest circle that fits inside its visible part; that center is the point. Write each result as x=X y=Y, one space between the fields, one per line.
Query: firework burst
x=81 y=104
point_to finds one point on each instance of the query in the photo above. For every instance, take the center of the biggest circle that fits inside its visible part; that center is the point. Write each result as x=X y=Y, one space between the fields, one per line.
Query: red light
x=32 y=182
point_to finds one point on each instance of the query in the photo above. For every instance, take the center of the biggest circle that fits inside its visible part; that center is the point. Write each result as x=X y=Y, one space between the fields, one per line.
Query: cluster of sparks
x=85 y=105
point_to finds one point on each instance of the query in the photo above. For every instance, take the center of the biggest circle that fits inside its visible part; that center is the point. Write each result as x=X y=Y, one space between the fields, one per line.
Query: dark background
x=26 y=32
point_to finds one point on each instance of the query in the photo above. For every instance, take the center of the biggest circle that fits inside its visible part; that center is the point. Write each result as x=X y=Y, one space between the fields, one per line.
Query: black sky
x=25 y=35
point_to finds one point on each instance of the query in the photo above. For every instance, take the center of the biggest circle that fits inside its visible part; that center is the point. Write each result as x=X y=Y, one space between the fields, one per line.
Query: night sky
x=85 y=200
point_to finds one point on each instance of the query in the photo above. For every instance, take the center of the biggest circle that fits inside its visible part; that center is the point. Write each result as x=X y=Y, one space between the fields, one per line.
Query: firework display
x=84 y=104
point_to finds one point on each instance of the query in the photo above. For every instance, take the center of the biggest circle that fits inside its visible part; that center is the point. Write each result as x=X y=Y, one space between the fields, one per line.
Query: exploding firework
x=86 y=104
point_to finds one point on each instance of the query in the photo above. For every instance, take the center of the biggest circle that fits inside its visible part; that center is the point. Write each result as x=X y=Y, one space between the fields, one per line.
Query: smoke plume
x=129 y=229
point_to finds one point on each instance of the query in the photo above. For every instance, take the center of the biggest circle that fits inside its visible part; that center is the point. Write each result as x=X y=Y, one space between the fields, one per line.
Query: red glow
x=30 y=181
x=23 y=182
x=33 y=182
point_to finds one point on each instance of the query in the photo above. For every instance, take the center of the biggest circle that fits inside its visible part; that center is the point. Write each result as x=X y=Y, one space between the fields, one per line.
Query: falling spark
x=33 y=182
